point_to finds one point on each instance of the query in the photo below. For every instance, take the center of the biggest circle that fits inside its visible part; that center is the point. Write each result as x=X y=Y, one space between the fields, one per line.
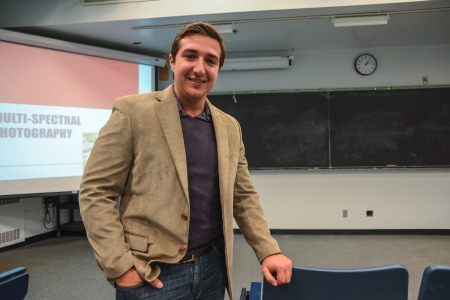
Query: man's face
x=195 y=67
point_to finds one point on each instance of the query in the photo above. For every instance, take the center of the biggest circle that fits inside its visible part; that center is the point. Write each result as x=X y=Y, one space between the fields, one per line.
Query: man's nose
x=199 y=66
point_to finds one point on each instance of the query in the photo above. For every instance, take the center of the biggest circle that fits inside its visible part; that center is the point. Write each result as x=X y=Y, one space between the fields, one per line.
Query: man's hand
x=277 y=264
x=132 y=278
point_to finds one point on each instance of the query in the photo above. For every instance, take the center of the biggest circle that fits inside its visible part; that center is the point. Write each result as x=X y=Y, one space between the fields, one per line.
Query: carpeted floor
x=64 y=268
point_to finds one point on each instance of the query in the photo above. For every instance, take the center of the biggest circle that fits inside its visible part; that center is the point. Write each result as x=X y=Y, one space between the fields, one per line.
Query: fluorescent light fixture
x=225 y=28
x=257 y=63
x=360 y=21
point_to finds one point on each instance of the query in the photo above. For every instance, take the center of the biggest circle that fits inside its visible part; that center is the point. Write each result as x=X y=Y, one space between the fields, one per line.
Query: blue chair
x=435 y=283
x=376 y=283
x=253 y=294
x=14 y=284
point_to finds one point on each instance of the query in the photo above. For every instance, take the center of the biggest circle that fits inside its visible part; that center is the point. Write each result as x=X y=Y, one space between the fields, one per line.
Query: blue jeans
x=205 y=278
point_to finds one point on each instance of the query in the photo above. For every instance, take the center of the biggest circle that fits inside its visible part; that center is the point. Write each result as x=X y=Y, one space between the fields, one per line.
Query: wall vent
x=9 y=236
x=9 y=201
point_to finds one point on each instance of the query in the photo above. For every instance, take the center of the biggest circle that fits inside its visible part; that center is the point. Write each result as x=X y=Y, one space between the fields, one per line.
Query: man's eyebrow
x=190 y=50
x=196 y=51
x=212 y=56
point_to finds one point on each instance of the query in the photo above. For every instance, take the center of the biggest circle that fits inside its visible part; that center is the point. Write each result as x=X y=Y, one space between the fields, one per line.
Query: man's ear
x=171 y=61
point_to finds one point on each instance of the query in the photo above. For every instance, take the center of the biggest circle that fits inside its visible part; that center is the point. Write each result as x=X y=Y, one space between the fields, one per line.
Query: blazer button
x=182 y=250
x=184 y=216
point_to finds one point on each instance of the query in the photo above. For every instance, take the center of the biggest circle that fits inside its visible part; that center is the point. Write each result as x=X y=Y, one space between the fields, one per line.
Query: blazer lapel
x=169 y=118
x=220 y=129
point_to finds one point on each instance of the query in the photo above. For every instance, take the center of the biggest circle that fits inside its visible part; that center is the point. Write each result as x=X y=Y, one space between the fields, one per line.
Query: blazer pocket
x=137 y=243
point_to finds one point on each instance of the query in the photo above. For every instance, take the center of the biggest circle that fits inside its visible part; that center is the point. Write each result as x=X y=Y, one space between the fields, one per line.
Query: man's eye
x=190 y=56
x=212 y=62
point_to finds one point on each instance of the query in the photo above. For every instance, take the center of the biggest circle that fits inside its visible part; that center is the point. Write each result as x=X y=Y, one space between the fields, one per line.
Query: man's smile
x=195 y=80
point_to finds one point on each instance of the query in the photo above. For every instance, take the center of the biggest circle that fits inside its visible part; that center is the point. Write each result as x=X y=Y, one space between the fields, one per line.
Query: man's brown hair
x=201 y=28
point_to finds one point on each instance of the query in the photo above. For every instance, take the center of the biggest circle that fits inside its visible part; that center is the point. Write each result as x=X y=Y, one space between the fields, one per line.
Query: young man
x=178 y=163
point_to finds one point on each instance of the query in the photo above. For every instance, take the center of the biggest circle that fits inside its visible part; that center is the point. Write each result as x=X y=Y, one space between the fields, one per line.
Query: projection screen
x=52 y=106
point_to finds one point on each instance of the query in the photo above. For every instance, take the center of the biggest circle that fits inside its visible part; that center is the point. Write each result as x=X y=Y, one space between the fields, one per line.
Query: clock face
x=365 y=64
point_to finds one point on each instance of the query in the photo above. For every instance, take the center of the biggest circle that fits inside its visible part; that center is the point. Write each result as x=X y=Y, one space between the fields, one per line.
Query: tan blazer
x=140 y=156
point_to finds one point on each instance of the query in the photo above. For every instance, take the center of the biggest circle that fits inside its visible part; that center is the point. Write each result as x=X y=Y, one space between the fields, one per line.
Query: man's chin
x=198 y=93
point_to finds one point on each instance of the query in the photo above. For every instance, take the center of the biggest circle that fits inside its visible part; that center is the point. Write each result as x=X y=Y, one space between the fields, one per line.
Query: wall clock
x=365 y=64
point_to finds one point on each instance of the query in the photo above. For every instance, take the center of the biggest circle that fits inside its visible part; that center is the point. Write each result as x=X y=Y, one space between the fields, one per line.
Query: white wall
x=27 y=215
x=400 y=199
x=12 y=225
x=34 y=213
x=334 y=69
x=328 y=69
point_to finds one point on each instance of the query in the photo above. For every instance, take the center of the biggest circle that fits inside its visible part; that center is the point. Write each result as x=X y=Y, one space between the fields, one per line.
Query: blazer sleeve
x=103 y=181
x=248 y=213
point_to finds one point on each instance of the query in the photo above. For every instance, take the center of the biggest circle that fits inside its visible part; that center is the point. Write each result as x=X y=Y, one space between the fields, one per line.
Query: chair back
x=14 y=284
x=375 y=283
x=435 y=283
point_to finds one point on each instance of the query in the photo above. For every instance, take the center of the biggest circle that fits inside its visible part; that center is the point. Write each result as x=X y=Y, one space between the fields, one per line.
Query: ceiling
x=280 y=32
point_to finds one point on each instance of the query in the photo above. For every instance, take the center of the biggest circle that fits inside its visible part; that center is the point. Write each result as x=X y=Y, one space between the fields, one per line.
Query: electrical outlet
x=345 y=213
x=369 y=213
x=425 y=80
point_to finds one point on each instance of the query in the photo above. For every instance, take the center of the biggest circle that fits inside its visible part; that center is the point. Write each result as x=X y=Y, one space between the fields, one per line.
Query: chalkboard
x=390 y=128
x=400 y=128
x=283 y=130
